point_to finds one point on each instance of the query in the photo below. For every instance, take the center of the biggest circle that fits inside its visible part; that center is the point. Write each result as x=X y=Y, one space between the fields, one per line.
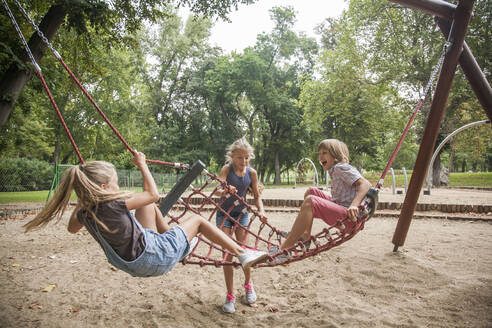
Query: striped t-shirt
x=343 y=189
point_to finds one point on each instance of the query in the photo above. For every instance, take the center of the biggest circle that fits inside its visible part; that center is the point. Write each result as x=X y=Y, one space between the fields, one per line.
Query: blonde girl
x=348 y=189
x=240 y=178
x=141 y=244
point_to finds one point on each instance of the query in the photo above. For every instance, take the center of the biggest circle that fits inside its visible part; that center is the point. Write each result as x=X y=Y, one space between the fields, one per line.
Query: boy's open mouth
x=323 y=162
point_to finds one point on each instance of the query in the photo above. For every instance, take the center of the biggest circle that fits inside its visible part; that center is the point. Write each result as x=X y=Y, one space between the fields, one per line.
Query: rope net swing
x=184 y=198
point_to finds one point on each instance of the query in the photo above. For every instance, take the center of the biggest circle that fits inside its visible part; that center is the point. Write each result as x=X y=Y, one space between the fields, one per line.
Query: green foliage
x=347 y=104
x=471 y=149
x=172 y=95
x=20 y=174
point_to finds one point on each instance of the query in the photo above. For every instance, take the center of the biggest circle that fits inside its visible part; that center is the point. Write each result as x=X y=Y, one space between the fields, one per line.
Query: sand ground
x=441 y=277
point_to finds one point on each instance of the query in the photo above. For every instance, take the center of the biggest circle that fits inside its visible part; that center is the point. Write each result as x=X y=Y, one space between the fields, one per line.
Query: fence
x=22 y=174
x=132 y=179
x=19 y=176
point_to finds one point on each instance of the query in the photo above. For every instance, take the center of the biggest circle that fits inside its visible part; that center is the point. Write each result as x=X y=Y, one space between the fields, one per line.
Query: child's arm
x=74 y=225
x=224 y=172
x=363 y=187
x=257 y=195
x=150 y=193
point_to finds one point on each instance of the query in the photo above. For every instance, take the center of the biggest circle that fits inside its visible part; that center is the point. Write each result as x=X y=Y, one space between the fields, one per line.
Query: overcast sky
x=249 y=21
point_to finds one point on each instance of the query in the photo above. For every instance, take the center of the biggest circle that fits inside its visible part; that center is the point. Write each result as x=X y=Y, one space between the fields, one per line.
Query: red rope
x=58 y=113
x=261 y=237
x=106 y=119
x=400 y=142
x=95 y=105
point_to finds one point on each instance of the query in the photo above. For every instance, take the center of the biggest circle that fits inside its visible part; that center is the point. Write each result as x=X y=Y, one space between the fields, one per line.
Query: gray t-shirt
x=127 y=240
x=343 y=189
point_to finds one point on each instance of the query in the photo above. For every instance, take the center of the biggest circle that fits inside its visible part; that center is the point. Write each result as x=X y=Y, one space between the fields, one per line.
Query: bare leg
x=150 y=217
x=147 y=217
x=307 y=233
x=241 y=236
x=307 y=193
x=196 y=224
x=302 y=224
x=228 y=270
x=161 y=223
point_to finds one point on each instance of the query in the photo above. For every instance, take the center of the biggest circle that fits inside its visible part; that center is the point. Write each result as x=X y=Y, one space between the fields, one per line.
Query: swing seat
x=179 y=188
x=370 y=203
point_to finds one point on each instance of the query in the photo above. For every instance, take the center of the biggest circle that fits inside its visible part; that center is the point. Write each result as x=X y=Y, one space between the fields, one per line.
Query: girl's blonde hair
x=239 y=144
x=86 y=181
x=242 y=144
x=337 y=149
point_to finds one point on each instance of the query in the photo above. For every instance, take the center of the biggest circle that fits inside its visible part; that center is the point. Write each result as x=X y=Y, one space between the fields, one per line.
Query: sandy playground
x=441 y=277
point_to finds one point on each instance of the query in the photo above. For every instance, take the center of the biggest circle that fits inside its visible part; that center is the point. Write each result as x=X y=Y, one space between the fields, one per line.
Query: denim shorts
x=242 y=218
x=162 y=252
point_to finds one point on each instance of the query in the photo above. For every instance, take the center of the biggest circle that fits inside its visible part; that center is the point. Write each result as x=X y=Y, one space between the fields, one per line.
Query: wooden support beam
x=472 y=71
x=438 y=108
x=438 y=8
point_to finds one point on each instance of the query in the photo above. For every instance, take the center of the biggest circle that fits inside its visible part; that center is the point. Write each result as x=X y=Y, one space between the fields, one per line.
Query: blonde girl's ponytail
x=86 y=181
x=57 y=205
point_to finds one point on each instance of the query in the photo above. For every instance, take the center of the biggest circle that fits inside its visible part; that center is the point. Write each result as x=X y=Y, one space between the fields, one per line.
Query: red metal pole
x=438 y=108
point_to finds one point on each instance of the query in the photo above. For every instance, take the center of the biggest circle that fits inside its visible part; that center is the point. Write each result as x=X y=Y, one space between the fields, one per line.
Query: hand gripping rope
x=201 y=200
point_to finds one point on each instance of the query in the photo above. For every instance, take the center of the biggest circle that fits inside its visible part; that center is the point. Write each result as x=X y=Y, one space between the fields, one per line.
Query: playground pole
x=473 y=73
x=438 y=108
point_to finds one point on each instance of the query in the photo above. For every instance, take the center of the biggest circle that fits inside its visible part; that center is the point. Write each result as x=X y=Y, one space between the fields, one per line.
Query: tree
x=348 y=102
x=115 y=20
x=179 y=55
x=289 y=60
x=404 y=46
x=103 y=70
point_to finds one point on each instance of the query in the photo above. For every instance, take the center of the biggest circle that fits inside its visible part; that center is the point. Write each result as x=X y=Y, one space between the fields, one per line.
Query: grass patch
x=472 y=179
x=23 y=196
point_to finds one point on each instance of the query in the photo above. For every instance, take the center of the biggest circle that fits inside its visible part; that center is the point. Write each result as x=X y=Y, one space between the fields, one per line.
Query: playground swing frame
x=460 y=15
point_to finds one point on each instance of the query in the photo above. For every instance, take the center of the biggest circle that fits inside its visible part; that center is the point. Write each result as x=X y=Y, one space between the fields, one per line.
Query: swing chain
x=21 y=36
x=38 y=31
x=436 y=70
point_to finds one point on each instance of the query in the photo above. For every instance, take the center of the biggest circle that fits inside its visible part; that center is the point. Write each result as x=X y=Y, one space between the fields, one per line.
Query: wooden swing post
x=473 y=73
x=461 y=16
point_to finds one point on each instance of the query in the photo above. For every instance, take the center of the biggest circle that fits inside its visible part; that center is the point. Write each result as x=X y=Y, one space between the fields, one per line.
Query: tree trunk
x=436 y=171
x=15 y=78
x=56 y=152
x=277 y=168
x=451 y=155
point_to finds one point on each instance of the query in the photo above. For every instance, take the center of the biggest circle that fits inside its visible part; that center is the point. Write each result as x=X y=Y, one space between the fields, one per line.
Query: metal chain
x=436 y=70
x=21 y=36
x=38 y=31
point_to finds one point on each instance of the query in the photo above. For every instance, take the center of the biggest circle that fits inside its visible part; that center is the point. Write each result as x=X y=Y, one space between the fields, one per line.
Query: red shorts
x=326 y=210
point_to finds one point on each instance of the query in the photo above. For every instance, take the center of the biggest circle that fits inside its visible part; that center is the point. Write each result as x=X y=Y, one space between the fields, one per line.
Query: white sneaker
x=228 y=306
x=280 y=258
x=249 y=294
x=250 y=257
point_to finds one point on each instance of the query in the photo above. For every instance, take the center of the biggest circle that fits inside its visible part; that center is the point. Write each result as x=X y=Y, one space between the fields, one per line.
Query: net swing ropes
x=180 y=201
